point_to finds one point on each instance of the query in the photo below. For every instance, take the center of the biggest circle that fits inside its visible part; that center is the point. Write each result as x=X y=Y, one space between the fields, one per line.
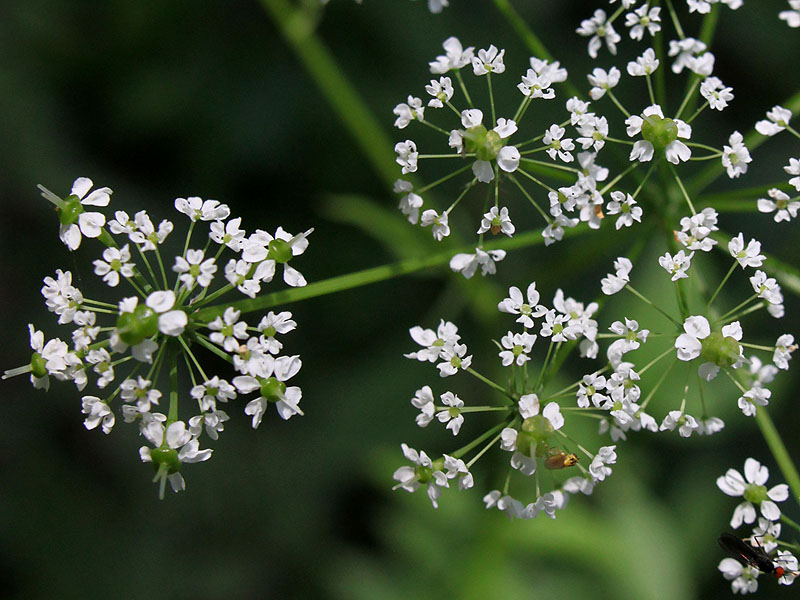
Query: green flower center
x=38 y=365
x=70 y=210
x=166 y=457
x=280 y=251
x=659 y=131
x=272 y=389
x=755 y=493
x=135 y=327
x=485 y=144
x=720 y=350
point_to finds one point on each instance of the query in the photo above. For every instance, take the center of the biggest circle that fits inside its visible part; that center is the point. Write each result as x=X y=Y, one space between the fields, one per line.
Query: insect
x=744 y=552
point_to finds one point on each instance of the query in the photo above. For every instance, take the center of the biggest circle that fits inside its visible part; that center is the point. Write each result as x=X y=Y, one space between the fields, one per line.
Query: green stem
x=298 y=30
x=779 y=452
x=721 y=283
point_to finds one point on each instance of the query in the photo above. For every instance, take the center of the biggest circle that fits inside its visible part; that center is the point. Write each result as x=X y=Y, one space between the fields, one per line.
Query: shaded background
x=178 y=99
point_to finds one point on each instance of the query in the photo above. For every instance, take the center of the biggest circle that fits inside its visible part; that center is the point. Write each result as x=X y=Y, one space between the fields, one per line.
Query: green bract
x=166 y=458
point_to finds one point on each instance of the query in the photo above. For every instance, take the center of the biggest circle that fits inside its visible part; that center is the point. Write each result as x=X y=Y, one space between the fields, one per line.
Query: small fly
x=745 y=553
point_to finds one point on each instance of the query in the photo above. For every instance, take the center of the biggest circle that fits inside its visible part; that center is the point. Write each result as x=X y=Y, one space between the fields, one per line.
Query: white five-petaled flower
x=625 y=206
x=676 y=265
x=455 y=57
x=440 y=227
x=783 y=351
x=452 y=414
x=441 y=90
x=515 y=304
x=88 y=224
x=777 y=120
x=602 y=81
x=409 y=477
x=196 y=208
x=643 y=18
x=272 y=388
x=752 y=487
x=517 y=348
x=749 y=256
x=406 y=113
x=717 y=95
x=781 y=202
x=433 y=342
x=735 y=157
x=488 y=61
x=644 y=65
x=597 y=29
x=116 y=262
x=556 y=146
x=497 y=221
x=467 y=264
x=194 y=269
x=407 y=156
x=611 y=284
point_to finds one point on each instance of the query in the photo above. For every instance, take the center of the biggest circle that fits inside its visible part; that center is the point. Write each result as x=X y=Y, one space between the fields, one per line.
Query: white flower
x=407 y=156
x=89 y=224
x=408 y=477
x=689 y=344
x=784 y=347
x=766 y=287
x=195 y=208
x=696 y=230
x=776 y=121
x=717 y=95
x=593 y=132
x=488 y=61
x=453 y=358
x=792 y=17
x=755 y=396
x=410 y=203
x=752 y=484
x=515 y=304
x=735 y=157
x=517 y=348
x=625 y=206
x=602 y=81
x=676 y=265
x=611 y=284
x=643 y=18
x=646 y=64
x=456 y=57
x=598 y=469
x=194 y=268
x=468 y=264
x=599 y=28
x=97 y=412
x=686 y=424
x=408 y=112
x=557 y=146
x=178 y=438
x=433 y=342
x=138 y=391
x=145 y=235
x=780 y=201
x=746 y=257
x=442 y=92
x=228 y=329
x=743 y=578
x=423 y=400
x=116 y=262
x=534 y=85
x=440 y=227
x=228 y=233
x=452 y=415
x=686 y=51
x=497 y=221
x=675 y=151
x=272 y=389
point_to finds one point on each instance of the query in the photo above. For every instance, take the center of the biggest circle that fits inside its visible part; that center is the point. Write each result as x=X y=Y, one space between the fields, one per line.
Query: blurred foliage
x=167 y=99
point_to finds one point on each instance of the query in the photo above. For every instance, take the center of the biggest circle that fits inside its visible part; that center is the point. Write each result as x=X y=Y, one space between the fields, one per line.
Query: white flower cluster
x=146 y=332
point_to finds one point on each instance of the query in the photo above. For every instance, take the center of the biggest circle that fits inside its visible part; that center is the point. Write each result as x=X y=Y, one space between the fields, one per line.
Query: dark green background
x=159 y=100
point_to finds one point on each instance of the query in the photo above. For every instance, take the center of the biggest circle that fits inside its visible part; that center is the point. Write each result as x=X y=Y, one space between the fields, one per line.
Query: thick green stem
x=779 y=452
